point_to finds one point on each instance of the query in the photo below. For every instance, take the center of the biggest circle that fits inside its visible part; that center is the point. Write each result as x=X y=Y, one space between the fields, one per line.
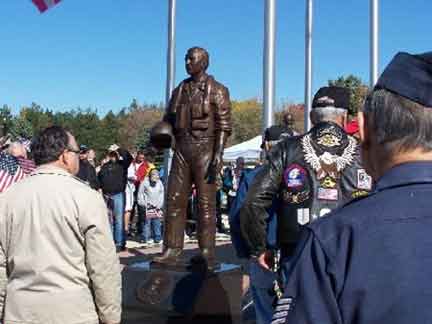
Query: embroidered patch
x=359 y=193
x=364 y=180
x=328 y=183
x=303 y=216
x=295 y=198
x=324 y=212
x=315 y=161
x=327 y=194
x=295 y=176
x=329 y=140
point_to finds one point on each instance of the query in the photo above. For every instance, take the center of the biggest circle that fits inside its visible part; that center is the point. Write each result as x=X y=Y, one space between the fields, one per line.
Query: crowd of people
x=333 y=221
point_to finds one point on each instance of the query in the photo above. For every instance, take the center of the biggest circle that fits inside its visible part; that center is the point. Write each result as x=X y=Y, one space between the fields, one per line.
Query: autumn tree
x=246 y=120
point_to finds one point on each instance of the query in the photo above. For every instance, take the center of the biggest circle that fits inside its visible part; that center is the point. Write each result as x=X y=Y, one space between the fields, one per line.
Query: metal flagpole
x=269 y=62
x=308 y=64
x=373 y=42
x=170 y=71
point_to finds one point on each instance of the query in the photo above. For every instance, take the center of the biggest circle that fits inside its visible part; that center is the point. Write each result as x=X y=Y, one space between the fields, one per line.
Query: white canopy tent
x=250 y=150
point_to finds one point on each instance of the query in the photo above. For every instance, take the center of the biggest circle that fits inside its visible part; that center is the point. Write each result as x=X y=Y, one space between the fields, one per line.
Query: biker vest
x=322 y=172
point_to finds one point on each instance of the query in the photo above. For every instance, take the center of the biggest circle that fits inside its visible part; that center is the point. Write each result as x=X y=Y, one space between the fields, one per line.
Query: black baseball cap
x=332 y=96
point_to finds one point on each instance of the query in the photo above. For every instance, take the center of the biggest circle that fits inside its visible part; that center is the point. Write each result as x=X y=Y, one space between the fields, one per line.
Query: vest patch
x=327 y=194
x=303 y=216
x=364 y=180
x=295 y=176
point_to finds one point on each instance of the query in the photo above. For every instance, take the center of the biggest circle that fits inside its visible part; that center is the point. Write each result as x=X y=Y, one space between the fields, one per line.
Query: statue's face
x=194 y=62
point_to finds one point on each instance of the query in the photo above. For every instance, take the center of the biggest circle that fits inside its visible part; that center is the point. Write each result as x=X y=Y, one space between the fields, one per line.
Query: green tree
x=21 y=128
x=37 y=117
x=358 y=91
x=6 y=120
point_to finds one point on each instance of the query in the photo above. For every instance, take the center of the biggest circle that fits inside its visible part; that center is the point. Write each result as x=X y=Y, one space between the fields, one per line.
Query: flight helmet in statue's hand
x=162 y=136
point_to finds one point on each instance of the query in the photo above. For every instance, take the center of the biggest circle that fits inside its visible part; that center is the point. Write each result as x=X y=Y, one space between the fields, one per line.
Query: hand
x=266 y=260
x=214 y=168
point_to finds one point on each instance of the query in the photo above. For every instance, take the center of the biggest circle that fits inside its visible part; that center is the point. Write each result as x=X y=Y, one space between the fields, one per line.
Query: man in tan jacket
x=57 y=257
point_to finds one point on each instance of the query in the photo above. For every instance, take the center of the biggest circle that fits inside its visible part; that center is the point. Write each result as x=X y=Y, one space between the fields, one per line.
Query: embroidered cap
x=338 y=97
x=409 y=76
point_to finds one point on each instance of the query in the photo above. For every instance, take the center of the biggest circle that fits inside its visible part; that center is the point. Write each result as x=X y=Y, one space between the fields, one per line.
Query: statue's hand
x=214 y=169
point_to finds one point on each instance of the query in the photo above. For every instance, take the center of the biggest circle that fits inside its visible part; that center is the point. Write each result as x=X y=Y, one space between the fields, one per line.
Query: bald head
x=17 y=149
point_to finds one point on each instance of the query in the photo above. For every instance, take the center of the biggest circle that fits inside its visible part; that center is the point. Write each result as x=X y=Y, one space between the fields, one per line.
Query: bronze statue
x=199 y=113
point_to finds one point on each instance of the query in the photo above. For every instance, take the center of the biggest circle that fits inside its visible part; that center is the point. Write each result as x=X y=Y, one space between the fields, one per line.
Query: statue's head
x=196 y=60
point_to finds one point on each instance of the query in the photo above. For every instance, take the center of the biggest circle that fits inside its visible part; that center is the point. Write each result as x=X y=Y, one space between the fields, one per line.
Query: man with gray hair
x=311 y=175
x=372 y=258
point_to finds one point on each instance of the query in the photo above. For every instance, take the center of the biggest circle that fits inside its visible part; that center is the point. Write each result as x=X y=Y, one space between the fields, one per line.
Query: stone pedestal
x=157 y=295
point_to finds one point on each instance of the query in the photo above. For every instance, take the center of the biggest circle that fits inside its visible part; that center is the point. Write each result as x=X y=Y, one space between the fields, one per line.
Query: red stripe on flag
x=41 y=5
x=6 y=179
x=44 y=5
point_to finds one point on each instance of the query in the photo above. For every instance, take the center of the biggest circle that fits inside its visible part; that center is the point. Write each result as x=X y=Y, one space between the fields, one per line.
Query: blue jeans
x=261 y=286
x=152 y=225
x=118 y=221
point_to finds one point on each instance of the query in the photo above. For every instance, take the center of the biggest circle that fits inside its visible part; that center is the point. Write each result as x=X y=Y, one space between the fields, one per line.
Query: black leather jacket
x=310 y=175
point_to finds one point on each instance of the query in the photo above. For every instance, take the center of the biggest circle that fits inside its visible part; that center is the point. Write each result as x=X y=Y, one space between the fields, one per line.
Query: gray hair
x=399 y=124
x=322 y=114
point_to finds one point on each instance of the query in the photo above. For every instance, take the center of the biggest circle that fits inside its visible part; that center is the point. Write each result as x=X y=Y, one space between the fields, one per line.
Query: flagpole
x=170 y=79
x=308 y=64
x=374 y=20
x=269 y=62
x=171 y=50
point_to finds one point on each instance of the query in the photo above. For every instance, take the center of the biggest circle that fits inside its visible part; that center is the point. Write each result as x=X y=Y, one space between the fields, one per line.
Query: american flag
x=44 y=5
x=10 y=171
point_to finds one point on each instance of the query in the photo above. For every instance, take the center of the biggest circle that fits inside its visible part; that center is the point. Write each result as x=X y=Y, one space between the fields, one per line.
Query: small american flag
x=10 y=171
x=44 y=5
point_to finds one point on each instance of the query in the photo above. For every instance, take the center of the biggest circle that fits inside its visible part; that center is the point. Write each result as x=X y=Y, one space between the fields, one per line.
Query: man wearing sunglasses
x=57 y=258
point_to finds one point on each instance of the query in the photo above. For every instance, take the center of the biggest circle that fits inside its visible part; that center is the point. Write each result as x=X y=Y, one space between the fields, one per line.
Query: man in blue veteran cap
x=370 y=261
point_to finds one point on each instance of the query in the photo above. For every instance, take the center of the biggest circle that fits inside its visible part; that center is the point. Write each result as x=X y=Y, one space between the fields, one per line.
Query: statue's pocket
x=200 y=124
x=198 y=111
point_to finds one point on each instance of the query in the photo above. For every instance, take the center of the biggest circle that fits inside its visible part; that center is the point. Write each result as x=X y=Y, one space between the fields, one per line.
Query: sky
x=101 y=54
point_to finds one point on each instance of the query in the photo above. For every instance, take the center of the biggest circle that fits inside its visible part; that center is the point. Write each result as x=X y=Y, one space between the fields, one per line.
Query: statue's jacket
x=310 y=175
x=199 y=109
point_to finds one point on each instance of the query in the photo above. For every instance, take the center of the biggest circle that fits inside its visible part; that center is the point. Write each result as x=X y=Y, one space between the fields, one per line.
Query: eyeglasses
x=73 y=151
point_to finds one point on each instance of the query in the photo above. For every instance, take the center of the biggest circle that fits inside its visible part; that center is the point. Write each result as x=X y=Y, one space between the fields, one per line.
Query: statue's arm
x=170 y=113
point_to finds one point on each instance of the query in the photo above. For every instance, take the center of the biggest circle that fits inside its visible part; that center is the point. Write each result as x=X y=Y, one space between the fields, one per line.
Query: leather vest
x=322 y=172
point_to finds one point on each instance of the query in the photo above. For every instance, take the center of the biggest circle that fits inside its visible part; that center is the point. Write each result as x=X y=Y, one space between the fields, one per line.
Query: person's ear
x=63 y=157
x=363 y=129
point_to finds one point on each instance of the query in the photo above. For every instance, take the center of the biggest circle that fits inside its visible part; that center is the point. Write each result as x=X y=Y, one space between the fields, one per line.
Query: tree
x=21 y=128
x=37 y=117
x=357 y=88
x=246 y=120
x=5 y=120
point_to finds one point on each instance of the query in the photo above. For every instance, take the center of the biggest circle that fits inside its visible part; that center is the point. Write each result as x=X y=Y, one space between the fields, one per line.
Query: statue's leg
x=206 y=194
x=179 y=187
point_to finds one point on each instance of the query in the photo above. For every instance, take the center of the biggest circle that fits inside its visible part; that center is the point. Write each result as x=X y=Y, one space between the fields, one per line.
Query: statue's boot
x=170 y=256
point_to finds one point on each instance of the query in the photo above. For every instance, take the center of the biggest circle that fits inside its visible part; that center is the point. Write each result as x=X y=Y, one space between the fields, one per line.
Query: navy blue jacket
x=369 y=262
x=234 y=217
